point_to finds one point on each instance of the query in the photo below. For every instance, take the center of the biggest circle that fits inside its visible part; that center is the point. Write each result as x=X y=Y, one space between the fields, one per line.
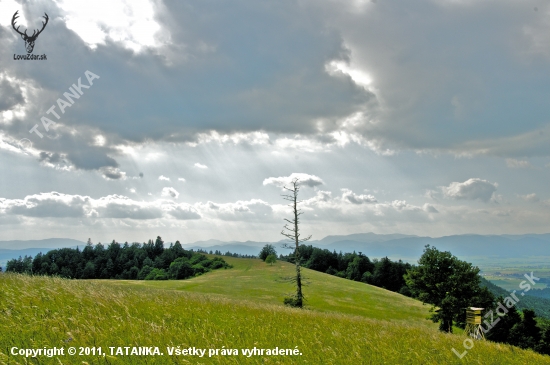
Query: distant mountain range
x=49 y=243
x=15 y=248
x=395 y=246
x=408 y=247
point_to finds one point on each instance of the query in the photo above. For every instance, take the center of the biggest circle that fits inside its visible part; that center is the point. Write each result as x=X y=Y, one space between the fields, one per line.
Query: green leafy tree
x=133 y=273
x=145 y=270
x=89 y=271
x=271 y=259
x=157 y=274
x=267 y=250
x=544 y=345
x=525 y=334
x=501 y=331
x=117 y=262
x=159 y=246
x=177 y=249
x=357 y=267
x=22 y=265
x=181 y=269
x=449 y=285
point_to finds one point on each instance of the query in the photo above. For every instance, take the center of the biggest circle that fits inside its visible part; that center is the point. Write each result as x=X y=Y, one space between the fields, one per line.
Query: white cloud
x=532 y=198
x=116 y=206
x=52 y=204
x=358 y=76
x=517 y=164
x=353 y=198
x=200 y=166
x=254 y=209
x=184 y=212
x=299 y=143
x=432 y=194
x=76 y=206
x=252 y=138
x=321 y=199
x=322 y=213
x=164 y=178
x=428 y=208
x=303 y=179
x=181 y=179
x=170 y=192
x=132 y=23
x=471 y=189
x=109 y=173
x=403 y=205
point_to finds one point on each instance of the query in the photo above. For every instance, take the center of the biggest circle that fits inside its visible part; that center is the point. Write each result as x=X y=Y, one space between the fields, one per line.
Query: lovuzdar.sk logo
x=29 y=39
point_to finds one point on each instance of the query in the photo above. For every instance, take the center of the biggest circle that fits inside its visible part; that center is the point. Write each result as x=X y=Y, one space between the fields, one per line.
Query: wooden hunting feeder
x=473 y=323
x=473 y=315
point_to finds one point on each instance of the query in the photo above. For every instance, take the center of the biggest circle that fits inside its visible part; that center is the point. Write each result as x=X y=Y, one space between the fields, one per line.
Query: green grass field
x=345 y=322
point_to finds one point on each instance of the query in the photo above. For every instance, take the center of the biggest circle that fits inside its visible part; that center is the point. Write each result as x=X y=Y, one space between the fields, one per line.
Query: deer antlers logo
x=29 y=40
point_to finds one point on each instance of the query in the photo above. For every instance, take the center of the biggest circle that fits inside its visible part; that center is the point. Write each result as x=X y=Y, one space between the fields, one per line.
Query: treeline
x=148 y=261
x=229 y=254
x=523 y=330
x=383 y=273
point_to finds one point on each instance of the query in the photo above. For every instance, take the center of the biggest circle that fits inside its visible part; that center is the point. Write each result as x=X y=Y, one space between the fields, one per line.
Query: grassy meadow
x=345 y=322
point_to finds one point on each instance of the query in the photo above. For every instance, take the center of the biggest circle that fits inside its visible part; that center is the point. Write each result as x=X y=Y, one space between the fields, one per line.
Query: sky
x=186 y=119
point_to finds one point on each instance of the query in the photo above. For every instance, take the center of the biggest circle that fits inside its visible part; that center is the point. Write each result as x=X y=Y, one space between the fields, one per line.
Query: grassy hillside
x=252 y=279
x=345 y=323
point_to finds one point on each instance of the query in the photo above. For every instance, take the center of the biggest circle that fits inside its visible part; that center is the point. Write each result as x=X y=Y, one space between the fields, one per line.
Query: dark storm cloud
x=245 y=66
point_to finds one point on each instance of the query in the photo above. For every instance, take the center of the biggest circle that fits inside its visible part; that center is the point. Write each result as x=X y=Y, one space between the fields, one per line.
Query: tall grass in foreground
x=40 y=311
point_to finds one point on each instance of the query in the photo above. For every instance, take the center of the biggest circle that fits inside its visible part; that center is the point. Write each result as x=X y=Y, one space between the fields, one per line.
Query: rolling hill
x=345 y=322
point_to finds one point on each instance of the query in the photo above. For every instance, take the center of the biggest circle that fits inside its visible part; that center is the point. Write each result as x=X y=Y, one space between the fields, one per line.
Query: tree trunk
x=299 y=295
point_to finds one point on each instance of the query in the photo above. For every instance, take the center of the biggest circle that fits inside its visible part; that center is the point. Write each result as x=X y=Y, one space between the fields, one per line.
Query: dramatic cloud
x=199 y=51
x=345 y=86
x=471 y=189
x=436 y=74
x=388 y=101
x=303 y=179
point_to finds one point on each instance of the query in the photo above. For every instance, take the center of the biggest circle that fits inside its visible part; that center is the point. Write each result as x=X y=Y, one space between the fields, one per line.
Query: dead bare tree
x=293 y=233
